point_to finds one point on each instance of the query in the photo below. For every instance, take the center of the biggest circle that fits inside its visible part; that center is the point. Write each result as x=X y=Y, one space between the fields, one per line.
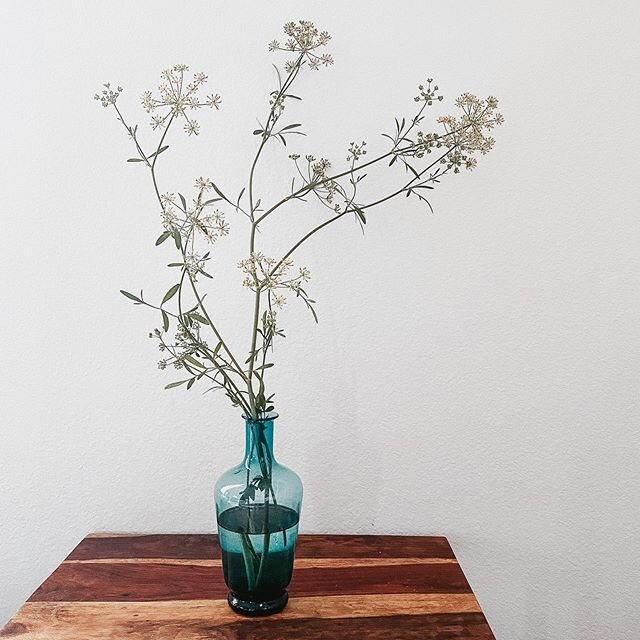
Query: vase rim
x=265 y=416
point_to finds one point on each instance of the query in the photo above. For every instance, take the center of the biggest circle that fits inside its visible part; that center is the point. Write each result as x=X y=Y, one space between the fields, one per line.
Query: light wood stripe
x=106 y=534
x=195 y=618
x=300 y=563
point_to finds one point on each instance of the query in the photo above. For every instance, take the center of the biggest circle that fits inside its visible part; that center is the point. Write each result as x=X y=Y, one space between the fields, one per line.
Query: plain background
x=475 y=370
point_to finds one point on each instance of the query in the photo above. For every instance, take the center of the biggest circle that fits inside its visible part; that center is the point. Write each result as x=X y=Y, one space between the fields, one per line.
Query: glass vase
x=258 y=509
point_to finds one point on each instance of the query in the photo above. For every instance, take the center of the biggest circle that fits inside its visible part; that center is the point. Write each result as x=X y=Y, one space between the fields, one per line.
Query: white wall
x=474 y=373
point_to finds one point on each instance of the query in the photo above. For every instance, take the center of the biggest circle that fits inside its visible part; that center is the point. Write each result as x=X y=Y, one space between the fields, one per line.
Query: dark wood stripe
x=435 y=578
x=128 y=582
x=309 y=546
x=148 y=546
x=352 y=546
x=124 y=582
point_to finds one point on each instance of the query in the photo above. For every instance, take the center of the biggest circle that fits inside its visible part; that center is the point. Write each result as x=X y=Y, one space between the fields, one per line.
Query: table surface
x=157 y=587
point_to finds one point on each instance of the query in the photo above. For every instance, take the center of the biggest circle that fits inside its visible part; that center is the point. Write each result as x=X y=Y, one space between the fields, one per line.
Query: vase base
x=257 y=608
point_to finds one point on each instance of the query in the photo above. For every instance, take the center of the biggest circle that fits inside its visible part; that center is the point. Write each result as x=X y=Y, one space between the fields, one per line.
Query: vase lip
x=264 y=416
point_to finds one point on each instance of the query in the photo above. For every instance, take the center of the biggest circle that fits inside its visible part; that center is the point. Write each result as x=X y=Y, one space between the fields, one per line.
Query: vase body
x=258 y=508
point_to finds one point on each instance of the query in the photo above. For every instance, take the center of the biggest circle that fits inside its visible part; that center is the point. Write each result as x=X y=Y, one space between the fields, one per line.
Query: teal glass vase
x=258 y=509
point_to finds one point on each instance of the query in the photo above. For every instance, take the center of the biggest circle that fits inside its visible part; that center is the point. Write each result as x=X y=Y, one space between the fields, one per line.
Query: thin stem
x=155 y=159
x=271 y=120
x=195 y=291
x=131 y=133
x=312 y=185
x=363 y=207
x=211 y=356
x=238 y=369
x=152 y=167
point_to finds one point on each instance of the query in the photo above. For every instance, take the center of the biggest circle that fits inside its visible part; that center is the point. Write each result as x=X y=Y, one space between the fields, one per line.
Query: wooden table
x=157 y=587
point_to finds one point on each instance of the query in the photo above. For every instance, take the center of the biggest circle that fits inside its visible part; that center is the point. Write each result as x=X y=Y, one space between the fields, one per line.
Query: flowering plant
x=194 y=223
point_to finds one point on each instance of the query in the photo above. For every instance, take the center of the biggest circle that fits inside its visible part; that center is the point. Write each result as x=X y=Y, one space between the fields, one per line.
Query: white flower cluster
x=429 y=93
x=189 y=219
x=356 y=151
x=318 y=171
x=267 y=274
x=319 y=168
x=316 y=175
x=425 y=142
x=108 y=96
x=304 y=38
x=183 y=348
x=195 y=264
x=464 y=135
x=176 y=97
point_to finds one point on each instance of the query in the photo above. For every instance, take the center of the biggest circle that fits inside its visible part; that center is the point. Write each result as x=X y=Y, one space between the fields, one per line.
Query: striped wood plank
x=157 y=587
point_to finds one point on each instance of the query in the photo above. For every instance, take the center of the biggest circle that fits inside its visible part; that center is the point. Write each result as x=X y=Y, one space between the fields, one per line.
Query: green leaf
x=360 y=214
x=264 y=366
x=158 y=152
x=172 y=385
x=135 y=160
x=190 y=383
x=177 y=238
x=199 y=318
x=215 y=188
x=194 y=362
x=313 y=312
x=415 y=173
x=184 y=202
x=172 y=292
x=130 y=296
x=163 y=237
x=258 y=132
x=165 y=320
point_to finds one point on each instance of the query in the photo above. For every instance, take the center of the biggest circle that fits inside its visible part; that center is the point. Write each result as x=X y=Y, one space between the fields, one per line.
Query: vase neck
x=259 y=440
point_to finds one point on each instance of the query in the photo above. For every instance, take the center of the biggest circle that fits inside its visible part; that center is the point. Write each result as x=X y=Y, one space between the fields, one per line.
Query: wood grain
x=301 y=563
x=309 y=546
x=160 y=587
